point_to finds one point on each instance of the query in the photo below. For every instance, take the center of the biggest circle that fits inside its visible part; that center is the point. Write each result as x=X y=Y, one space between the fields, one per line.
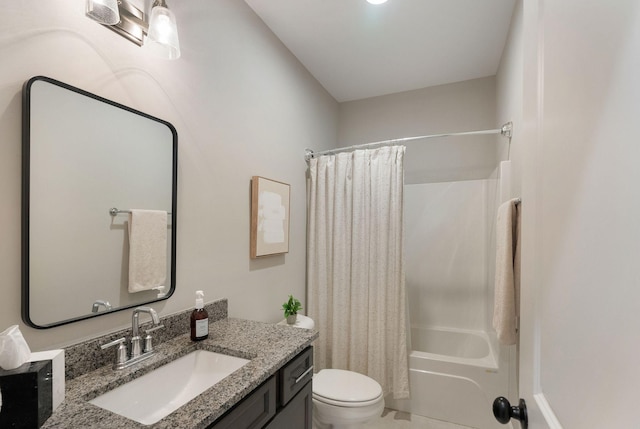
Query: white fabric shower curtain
x=356 y=277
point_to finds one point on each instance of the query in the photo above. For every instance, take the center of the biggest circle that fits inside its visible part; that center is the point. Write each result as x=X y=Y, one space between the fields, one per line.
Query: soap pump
x=199 y=319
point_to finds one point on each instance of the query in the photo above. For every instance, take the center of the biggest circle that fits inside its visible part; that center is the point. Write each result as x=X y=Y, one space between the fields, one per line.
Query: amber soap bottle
x=199 y=319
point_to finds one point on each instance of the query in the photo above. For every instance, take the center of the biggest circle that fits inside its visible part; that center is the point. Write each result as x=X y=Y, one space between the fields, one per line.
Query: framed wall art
x=269 y=217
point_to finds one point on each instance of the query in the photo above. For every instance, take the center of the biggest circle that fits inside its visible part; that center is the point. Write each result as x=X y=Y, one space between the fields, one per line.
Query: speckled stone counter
x=268 y=346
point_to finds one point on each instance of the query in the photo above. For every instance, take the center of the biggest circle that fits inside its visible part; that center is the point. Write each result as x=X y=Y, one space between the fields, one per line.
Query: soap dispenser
x=199 y=319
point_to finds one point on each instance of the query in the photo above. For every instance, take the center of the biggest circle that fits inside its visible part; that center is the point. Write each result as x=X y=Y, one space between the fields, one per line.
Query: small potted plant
x=291 y=308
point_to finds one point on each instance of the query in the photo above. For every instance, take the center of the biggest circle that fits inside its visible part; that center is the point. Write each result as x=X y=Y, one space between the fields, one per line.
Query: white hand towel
x=507 y=282
x=147 y=249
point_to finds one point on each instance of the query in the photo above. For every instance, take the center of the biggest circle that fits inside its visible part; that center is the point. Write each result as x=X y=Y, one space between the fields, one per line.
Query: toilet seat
x=342 y=404
x=345 y=388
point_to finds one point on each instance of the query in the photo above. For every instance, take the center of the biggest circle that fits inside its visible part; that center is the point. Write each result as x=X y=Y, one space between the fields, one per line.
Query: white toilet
x=342 y=399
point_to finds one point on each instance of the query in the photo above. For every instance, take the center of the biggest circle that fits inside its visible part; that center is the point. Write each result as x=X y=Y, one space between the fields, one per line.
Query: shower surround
x=455 y=365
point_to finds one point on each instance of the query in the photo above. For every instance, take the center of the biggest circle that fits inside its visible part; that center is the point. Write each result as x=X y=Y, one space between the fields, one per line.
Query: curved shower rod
x=506 y=131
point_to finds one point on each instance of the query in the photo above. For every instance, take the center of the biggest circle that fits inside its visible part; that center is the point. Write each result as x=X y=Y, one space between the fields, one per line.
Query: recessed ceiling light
x=377 y=1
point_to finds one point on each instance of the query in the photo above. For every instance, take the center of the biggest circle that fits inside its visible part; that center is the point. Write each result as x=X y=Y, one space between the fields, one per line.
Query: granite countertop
x=268 y=347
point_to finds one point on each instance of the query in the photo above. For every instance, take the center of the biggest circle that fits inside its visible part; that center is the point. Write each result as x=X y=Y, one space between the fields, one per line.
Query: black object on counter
x=26 y=395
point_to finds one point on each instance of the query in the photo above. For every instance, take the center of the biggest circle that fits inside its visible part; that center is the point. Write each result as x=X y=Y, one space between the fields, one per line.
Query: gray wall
x=242 y=105
x=456 y=107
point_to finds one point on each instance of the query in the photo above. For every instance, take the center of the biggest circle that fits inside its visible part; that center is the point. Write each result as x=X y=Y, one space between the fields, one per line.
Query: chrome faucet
x=136 y=355
x=135 y=321
x=100 y=302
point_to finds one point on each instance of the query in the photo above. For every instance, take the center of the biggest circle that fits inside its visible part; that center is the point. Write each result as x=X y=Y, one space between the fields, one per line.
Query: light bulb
x=162 y=38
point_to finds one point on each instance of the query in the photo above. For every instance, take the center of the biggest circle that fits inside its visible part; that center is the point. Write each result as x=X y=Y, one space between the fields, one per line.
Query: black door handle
x=503 y=411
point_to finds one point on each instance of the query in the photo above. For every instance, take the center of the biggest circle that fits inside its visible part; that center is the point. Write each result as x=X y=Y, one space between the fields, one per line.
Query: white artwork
x=269 y=217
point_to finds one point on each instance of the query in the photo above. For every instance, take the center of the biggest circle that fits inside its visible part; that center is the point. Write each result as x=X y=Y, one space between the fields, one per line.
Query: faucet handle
x=113 y=343
x=121 y=351
x=148 y=344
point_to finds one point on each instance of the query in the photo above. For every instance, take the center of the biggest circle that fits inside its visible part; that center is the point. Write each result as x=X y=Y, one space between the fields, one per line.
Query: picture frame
x=270 y=201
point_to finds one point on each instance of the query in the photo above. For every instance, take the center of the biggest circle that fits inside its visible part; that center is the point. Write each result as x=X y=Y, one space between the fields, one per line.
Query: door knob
x=503 y=411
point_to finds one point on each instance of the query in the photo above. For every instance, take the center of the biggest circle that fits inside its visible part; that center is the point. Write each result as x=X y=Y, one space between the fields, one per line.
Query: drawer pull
x=304 y=374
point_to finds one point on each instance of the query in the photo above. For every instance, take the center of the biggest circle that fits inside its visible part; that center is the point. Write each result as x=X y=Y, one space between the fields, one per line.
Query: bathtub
x=454 y=376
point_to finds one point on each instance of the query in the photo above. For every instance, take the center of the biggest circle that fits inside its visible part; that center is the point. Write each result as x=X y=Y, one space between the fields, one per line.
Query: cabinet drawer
x=254 y=411
x=295 y=374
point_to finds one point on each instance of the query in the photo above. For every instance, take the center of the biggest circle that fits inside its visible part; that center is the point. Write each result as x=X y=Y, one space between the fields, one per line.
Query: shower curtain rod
x=506 y=130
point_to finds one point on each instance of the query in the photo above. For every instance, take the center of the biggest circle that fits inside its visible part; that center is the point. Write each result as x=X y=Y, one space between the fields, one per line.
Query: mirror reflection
x=87 y=163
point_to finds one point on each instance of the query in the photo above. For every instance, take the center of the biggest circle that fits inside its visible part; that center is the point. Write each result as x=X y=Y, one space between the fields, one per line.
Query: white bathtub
x=454 y=376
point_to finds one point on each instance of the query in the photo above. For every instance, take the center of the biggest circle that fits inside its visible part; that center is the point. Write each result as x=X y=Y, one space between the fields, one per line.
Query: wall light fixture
x=159 y=34
x=103 y=11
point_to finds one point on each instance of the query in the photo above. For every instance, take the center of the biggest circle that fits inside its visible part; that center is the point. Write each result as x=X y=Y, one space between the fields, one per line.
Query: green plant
x=291 y=307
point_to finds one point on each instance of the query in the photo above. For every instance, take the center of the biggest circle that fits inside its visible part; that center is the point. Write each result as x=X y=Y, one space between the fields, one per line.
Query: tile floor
x=392 y=419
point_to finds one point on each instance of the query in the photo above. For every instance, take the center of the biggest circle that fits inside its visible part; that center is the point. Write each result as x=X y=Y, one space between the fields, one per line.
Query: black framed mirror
x=84 y=155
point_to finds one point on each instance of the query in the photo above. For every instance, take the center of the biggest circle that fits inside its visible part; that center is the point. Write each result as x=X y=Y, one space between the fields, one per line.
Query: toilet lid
x=345 y=386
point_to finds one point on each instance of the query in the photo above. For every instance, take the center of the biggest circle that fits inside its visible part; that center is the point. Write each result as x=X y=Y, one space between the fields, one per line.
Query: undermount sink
x=157 y=394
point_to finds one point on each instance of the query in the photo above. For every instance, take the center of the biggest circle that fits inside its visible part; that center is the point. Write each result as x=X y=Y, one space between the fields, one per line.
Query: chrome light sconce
x=159 y=34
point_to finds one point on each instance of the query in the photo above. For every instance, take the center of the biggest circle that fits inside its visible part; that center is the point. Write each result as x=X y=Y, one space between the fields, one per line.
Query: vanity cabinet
x=295 y=393
x=254 y=411
x=284 y=401
x=297 y=413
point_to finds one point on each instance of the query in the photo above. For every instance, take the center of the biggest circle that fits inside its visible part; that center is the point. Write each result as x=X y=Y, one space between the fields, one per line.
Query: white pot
x=291 y=320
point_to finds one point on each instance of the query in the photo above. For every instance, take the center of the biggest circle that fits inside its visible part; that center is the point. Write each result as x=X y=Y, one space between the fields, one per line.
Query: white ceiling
x=357 y=50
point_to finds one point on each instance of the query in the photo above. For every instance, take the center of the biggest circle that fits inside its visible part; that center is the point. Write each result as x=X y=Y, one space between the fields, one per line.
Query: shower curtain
x=356 y=278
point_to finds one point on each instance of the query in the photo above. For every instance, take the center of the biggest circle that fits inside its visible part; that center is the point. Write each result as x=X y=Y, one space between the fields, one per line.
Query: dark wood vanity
x=273 y=390
x=281 y=402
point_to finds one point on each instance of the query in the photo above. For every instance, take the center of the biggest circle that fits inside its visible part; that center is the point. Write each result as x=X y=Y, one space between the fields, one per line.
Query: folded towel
x=147 y=249
x=507 y=282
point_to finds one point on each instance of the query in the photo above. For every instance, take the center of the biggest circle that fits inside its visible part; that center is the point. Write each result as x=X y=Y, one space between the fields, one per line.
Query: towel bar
x=114 y=211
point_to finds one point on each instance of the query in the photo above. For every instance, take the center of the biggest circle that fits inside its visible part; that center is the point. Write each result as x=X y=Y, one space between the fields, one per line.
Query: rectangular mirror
x=84 y=155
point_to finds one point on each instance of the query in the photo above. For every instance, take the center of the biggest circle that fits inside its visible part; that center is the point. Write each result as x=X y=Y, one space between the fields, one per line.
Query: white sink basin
x=157 y=394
